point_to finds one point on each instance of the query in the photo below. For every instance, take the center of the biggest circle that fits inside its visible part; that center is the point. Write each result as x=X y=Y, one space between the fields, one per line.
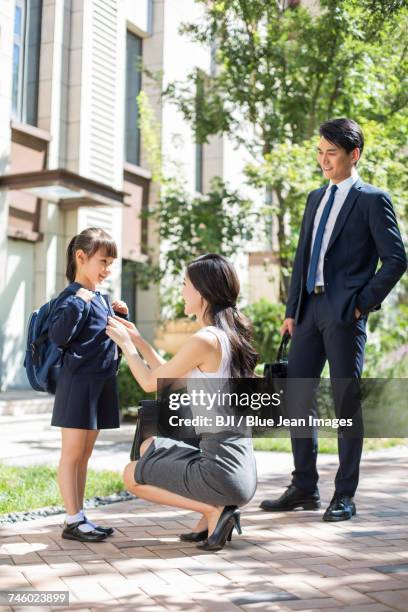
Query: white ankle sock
x=89 y=522
x=75 y=518
x=85 y=527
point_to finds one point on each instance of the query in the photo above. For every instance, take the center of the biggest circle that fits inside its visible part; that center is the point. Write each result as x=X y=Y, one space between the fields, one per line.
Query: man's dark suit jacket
x=365 y=232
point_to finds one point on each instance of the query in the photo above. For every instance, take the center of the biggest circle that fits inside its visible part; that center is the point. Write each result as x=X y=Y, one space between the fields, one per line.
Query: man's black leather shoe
x=293 y=498
x=72 y=532
x=341 y=508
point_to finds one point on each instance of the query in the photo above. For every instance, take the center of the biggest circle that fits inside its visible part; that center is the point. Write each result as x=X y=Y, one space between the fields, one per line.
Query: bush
x=387 y=347
x=130 y=392
x=267 y=319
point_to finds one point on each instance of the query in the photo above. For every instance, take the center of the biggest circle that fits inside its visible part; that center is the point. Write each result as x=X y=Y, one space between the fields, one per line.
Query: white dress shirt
x=341 y=194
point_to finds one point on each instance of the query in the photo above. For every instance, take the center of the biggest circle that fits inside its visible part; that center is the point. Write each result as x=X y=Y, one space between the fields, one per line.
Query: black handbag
x=153 y=420
x=146 y=425
x=279 y=368
x=275 y=378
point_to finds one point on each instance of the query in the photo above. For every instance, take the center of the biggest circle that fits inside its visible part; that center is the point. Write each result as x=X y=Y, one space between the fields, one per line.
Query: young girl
x=220 y=476
x=86 y=398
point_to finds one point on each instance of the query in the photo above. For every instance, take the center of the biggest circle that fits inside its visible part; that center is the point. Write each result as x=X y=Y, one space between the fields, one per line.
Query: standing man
x=347 y=227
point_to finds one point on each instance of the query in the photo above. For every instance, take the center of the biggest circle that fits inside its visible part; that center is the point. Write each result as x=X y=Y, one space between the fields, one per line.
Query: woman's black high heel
x=194 y=536
x=222 y=533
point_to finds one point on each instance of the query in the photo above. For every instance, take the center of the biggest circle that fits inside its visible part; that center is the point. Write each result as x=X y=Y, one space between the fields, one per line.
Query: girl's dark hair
x=89 y=241
x=215 y=279
x=344 y=133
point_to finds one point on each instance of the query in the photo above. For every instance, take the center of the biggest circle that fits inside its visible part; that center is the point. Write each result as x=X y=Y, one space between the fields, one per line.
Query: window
x=199 y=147
x=199 y=167
x=133 y=87
x=128 y=288
x=18 y=49
x=26 y=60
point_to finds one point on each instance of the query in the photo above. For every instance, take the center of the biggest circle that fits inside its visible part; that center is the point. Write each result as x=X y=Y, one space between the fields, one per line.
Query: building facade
x=71 y=154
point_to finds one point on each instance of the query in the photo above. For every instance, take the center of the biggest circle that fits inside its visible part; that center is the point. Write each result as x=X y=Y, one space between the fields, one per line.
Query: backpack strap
x=34 y=346
x=40 y=340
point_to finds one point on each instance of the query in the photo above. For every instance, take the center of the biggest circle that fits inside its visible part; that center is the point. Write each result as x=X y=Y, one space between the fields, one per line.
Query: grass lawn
x=29 y=488
x=326 y=445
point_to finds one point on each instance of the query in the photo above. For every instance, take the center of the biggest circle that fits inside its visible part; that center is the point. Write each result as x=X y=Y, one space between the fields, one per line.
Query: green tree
x=188 y=225
x=291 y=171
x=219 y=221
x=282 y=69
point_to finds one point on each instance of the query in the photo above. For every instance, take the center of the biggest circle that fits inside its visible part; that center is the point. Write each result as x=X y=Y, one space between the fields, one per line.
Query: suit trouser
x=318 y=338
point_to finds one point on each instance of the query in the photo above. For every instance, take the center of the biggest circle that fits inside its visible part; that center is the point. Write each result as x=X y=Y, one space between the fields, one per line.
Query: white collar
x=348 y=182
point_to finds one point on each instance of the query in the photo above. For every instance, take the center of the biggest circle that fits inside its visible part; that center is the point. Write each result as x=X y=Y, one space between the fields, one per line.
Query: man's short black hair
x=344 y=133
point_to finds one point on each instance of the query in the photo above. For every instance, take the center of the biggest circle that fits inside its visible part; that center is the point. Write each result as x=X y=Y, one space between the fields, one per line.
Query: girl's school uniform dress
x=86 y=395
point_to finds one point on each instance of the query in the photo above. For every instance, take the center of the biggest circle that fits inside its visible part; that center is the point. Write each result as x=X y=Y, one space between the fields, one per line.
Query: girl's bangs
x=107 y=246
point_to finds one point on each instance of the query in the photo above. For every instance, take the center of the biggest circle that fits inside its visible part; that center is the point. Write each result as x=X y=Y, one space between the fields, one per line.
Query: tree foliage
x=219 y=221
x=281 y=69
x=187 y=225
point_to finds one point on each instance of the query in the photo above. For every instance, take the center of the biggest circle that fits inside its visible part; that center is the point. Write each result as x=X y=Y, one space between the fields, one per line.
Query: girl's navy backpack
x=43 y=358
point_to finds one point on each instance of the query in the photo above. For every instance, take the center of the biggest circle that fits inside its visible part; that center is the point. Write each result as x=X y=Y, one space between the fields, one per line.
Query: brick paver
x=282 y=562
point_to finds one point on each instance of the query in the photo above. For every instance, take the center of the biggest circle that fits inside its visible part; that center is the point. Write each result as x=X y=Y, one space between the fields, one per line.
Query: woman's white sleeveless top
x=214 y=383
x=224 y=369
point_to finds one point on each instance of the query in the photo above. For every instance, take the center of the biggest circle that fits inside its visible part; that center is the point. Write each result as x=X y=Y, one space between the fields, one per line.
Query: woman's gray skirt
x=221 y=472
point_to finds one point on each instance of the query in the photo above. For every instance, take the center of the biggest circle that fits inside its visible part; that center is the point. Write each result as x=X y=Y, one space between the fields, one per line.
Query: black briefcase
x=274 y=381
x=279 y=368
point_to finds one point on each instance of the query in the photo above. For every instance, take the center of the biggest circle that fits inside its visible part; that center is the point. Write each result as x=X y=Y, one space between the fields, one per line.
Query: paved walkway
x=282 y=562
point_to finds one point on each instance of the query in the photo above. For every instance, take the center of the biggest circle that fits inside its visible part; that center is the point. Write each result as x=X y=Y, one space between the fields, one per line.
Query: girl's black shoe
x=229 y=519
x=107 y=530
x=72 y=532
x=194 y=536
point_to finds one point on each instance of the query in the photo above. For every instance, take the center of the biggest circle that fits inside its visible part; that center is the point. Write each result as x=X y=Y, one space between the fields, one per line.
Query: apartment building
x=71 y=153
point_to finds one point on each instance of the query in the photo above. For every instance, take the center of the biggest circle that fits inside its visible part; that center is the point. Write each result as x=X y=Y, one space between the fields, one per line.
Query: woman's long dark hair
x=89 y=241
x=216 y=280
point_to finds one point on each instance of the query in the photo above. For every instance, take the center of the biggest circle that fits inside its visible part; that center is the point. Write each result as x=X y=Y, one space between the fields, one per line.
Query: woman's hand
x=120 y=306
x=118 y=333
x=132 y=330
